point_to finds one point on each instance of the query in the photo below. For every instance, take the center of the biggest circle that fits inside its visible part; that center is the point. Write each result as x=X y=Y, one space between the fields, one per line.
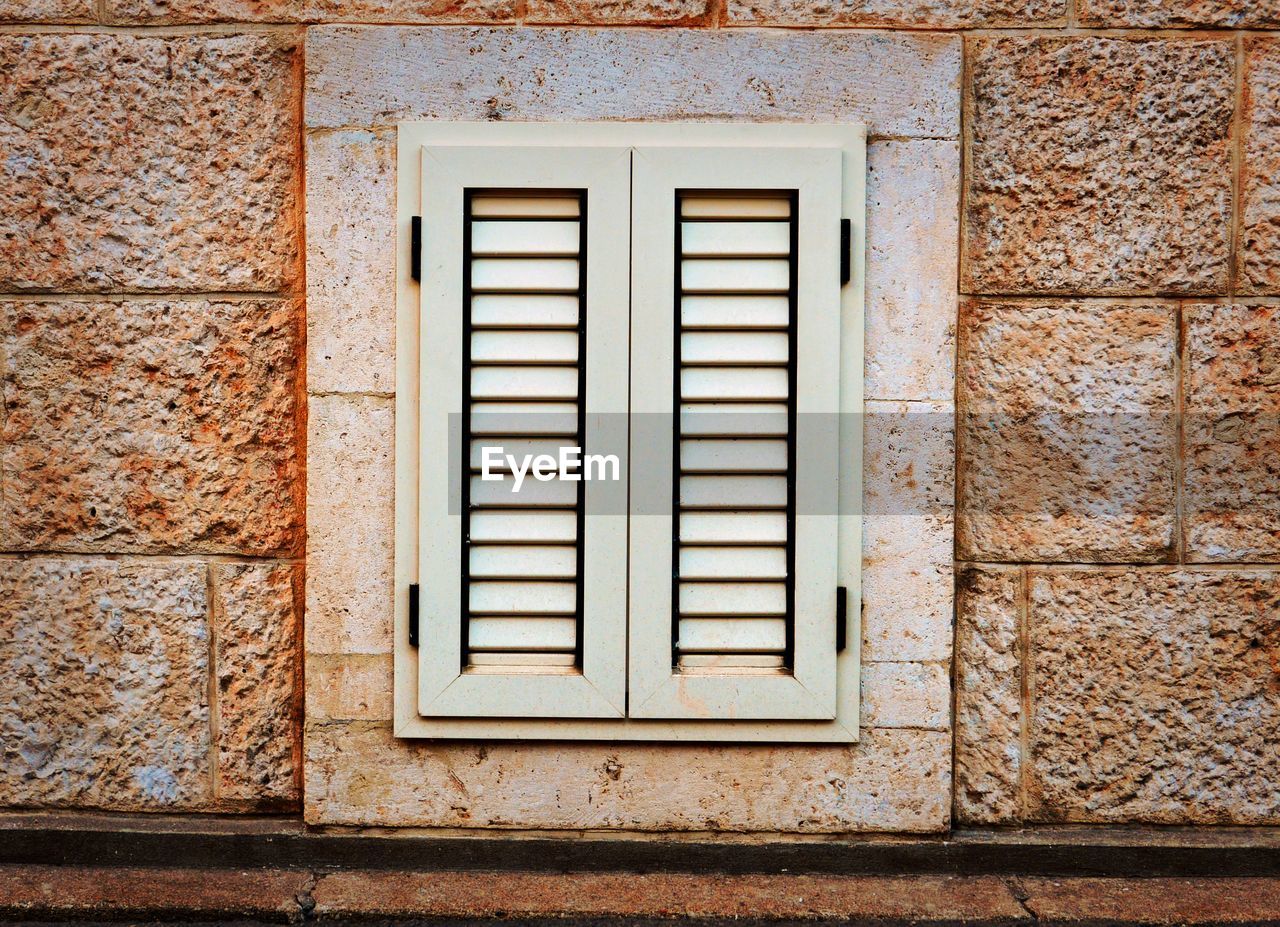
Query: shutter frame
x=656 y=689
x=847 y=138
x=445 y=688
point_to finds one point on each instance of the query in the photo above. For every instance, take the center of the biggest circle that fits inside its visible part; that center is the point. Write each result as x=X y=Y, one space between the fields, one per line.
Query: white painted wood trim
x=850 y=139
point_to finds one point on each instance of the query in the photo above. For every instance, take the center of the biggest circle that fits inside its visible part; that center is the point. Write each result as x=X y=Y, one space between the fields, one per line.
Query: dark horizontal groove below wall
x=287 y=844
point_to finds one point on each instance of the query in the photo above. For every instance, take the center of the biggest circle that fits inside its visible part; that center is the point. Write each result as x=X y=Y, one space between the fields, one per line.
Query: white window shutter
x=735 y=400
x=522 y=610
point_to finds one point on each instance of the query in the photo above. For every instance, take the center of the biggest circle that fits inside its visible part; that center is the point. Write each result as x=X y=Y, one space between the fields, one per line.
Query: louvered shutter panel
x=524 y=265
x=736 y=503
x=527 y=325
x=736 y=325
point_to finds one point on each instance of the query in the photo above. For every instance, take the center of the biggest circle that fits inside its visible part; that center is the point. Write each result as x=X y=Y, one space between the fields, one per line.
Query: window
x=628 y=448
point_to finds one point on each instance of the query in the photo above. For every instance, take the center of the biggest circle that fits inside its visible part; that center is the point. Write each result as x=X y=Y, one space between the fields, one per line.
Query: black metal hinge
x=413 y=614
x=842 y=618
x=846 y=251
x=415 y=248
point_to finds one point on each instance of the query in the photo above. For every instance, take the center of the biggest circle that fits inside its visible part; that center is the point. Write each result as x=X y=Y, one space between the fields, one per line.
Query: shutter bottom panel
x=735 y=409
x=522 y=583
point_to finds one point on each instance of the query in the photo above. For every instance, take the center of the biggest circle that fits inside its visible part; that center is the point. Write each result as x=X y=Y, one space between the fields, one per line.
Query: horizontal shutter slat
x=524 y=383
x=523 y=310
x=721 y=348
x=524 y=275
x=524 y=347
x=729 y=455
x=733 y=492
x=497 y=237
x=529 y=634
x=529 y=527
x=514 y=206
x=711 y=206
x=728 y=311
x=722 y=419
x=732 y=383
x=733 y=599
x=722 y=528
x=732 y=635
x=712 y=275
x=736 y=239
x=714 y=563
x=533 y=493
x=523 y=562
x=524 y=418
x=522 y=598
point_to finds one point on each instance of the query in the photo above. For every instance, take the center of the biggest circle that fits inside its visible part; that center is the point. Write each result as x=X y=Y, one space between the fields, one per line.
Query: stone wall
x=1103 y=174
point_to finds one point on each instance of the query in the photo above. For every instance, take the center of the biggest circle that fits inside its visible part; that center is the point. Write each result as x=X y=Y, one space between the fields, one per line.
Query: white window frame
x=411 y=511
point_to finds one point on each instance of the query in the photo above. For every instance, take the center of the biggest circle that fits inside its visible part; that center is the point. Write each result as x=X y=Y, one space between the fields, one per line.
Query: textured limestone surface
x=1067 y=432
x=988 y=681
x=350 y=524
x=257 y=672
x=903 y=85
x=892 y=780
x=105 y=699
x=618 y=12
x=349 y=686
x=150 y=426
x=152 y=12
x=912 y=248
x=1258 y=257
x=942 y=13
x=47 y=11
x=1231 y=433
x=1099 y=165
x=907 y=530
x=914 y=695
x=1157 y=13
x=351 y=262
x=182 y=177
x=1156 y=696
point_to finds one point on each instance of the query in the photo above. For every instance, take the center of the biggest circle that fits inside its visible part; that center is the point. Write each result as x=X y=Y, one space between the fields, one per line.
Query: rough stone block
x=350 y=524
x=1258 y=255
x=351 y=262
x=1161 y=901
x=148 y=162
x=1099 y=166
x=903 y=85
x=1155 y=696
x=150 y=426
x=349 y=686
x=907 y=695
x=156 y=12
x=940 y=14
x=1231 y=433
x=912 y=247
x=258 y=683
x=47 y=11
x=988 y=722
x=1067 y=432
x=358 y=773
x=105 y=697
x=619 y=12
x=1231 y=14
x=400 y=11
x=907 y=531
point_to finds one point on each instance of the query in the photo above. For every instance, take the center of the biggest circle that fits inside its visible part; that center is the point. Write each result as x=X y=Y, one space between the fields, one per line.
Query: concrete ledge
x=280 y=843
